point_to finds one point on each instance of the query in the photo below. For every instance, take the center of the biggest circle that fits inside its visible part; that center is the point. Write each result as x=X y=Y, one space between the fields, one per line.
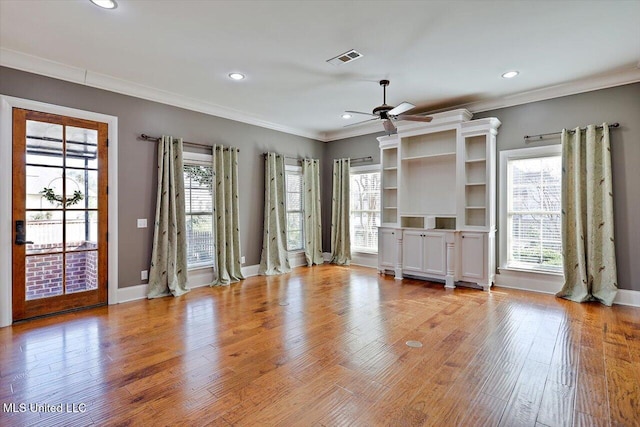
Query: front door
x=59 y=213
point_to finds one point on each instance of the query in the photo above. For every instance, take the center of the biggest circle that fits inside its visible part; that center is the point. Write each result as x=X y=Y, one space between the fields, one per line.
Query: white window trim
x=357 y=170
x=201 y=159
x=505 y=157
x=296 y=169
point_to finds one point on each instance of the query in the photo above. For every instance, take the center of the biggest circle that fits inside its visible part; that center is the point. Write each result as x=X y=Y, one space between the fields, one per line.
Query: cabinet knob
x=393 y=233
x=463 y=237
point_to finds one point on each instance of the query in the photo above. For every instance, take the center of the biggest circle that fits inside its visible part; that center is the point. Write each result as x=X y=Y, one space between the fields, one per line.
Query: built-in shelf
x=469 y=184
x=390 y=207
x=475 y=207
x=390 y=188
x=391 y=168
x=431 y=156
x=475 y=160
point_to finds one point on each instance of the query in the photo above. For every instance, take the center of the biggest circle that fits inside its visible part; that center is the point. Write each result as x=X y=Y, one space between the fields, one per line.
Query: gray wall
x=137 y=159
x=620 y=104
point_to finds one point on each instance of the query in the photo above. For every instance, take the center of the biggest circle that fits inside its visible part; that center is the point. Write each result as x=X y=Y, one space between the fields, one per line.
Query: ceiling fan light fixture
x=236 y=76
x=105 y=4
x=510 y=74
x=346 y=116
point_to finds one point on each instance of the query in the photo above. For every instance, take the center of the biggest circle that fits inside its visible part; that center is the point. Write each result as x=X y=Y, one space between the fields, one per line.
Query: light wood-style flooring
x=326 y=346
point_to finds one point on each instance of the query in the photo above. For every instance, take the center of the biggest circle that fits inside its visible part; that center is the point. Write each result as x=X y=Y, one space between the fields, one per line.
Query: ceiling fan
x=389 y=114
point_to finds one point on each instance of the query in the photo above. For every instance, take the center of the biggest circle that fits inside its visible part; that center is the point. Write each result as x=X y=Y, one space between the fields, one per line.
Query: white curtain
x=168 y=272
x=340 y=204
x=587 y=216
x=312 y=213
x=275 y=257
x=226 y=221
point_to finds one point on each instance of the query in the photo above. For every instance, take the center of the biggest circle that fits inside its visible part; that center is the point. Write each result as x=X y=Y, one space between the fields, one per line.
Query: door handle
x=21 y=234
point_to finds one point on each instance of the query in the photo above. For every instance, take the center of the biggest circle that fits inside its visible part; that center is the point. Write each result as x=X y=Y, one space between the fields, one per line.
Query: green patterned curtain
x=168 y=272
x=226 y=222
x=587 y=217
x=340 y=236
x=275 y=257
x=312 y=218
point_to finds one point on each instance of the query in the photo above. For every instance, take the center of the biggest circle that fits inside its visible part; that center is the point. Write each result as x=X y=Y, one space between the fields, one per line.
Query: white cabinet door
x=435 y=253
x=473 y=254
x=412 y=251
x=387 y=247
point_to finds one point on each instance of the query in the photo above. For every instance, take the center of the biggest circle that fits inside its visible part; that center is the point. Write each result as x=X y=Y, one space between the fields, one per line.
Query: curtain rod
x=542 y=135
x=194 y=144
x=357 y=159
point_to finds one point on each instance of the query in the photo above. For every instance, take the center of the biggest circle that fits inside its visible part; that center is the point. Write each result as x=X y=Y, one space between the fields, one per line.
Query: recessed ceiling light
x=510 y=74
x=346 y=116
x=105 y=4
x=236 y=76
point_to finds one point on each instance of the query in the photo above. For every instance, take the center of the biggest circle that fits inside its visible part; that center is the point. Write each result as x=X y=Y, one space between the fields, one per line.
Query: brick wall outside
x=44 y=272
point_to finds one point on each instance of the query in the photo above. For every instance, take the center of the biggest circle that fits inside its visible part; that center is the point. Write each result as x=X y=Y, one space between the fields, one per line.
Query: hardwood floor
x=326 y=346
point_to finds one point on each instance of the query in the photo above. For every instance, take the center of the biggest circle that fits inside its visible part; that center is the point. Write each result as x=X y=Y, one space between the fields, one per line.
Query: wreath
x=48 y=194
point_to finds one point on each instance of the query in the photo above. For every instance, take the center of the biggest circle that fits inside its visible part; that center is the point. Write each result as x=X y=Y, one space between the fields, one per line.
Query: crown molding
x=622 y=77
x=33 y=64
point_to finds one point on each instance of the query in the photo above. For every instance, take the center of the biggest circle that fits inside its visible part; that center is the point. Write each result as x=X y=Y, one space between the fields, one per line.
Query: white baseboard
x=250 y=270
x=297 y=259
x=627 y=297
x=552 y=283
x=364 y=259
x=197 y=279
x=534 y=282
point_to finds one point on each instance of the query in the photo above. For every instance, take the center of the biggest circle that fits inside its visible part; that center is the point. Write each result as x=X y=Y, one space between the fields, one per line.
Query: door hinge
x=107 y=142
x=107 y=190
x=107 y=237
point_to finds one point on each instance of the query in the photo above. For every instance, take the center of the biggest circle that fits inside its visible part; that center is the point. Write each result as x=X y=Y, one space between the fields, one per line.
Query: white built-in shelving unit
x=438 y=199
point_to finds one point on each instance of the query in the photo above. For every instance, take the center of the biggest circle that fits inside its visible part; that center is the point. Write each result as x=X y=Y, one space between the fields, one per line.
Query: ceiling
x=437 y=54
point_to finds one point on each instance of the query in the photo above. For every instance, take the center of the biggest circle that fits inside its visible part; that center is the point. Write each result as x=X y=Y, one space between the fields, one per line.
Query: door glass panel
x=44 y=187
x=82 y=147
x=44 y=229
x=44 y=143
x=82 y=189
x=81 y=271
x=82 y=230
x=43 y=276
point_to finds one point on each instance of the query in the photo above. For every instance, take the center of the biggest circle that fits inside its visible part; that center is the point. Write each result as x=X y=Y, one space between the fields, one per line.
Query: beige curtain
x=340 y=236
x=168 y=271
x=587 y=216
x=312 y=217
x=226 y=221
x=275 y=257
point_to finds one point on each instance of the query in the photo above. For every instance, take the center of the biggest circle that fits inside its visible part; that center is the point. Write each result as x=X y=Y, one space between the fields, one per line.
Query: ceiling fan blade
x=389 y=126
x=413 y=118
x=359 y=123
x=360 y=112
x=405 y=106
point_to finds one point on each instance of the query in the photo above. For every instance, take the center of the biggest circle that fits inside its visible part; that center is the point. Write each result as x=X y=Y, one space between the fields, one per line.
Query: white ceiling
x=437 y=54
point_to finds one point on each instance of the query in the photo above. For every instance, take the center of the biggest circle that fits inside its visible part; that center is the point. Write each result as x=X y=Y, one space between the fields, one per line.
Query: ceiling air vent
x=343 y=58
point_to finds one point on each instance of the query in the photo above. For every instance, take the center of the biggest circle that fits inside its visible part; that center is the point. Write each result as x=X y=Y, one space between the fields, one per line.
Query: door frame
x=7 y=103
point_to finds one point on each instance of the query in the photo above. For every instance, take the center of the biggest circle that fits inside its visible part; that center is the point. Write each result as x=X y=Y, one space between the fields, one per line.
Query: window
x=365 y=208
x=533 y=208
x=198 y=209
x=295 y=217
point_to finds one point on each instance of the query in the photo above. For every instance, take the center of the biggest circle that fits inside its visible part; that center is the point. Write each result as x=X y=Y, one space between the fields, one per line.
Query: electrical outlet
x=241 y=260
x=144 y=275
x=142 y=222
